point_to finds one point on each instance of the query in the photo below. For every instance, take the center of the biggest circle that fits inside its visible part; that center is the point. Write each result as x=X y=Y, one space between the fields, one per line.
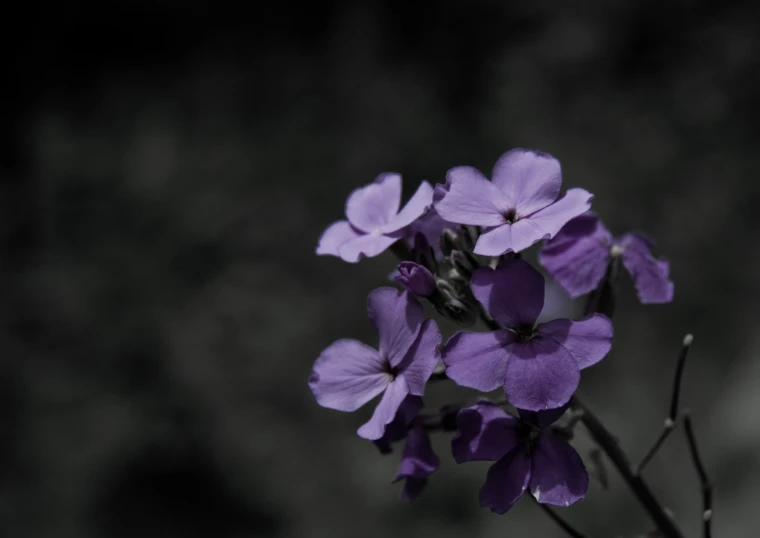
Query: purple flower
x=349 y=373
x=538 y=365
x=418 y=460
x=578 y=256
x=518 y=208
x=526 y=453
x=415 y=278
x=374 y=220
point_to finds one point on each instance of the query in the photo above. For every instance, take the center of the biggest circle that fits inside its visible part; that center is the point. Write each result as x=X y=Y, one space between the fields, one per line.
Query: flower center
x=392 y=371
x=616 y=250
x=525 y=333
x=529 y=435
x=511 y=216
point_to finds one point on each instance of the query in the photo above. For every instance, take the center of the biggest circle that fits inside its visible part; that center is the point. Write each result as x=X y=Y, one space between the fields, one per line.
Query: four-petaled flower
x=527 y=455
x=578 y=256
x=518 y=207
x=374 y=220
x=418 y=460
x=538 y=366
x=349 y=373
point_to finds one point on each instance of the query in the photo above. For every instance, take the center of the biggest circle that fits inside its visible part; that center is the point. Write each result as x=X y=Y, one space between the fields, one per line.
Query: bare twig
x=703 y=478
x=670 y=421
x=599 y=469
x=636 y=483
x=558 y=520
x=603 y=300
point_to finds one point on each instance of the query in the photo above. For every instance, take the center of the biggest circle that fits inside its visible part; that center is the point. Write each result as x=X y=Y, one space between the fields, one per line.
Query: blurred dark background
x=168 y=167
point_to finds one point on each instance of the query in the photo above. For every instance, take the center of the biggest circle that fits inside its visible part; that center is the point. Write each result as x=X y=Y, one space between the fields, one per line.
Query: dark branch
x=703 y=478
x=636 y=484
x=687 y=341
x=670 y=421
x=558 y=520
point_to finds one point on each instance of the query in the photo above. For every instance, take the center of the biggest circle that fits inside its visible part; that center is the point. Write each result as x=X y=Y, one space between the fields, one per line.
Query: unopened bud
x=449 y=240
x=416 y=279
x=462 y=263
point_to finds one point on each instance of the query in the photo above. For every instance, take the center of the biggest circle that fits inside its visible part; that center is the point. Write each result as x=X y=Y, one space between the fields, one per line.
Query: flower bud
x=416 y=279
x=449 y=241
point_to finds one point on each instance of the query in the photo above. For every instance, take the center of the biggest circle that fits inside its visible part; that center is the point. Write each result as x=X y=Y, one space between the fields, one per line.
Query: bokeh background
x=168 y=167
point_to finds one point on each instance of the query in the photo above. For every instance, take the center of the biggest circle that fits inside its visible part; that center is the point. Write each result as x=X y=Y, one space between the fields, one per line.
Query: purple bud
x=416 y=279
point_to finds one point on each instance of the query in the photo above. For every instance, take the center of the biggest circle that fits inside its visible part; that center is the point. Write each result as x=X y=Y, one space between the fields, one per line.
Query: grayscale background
x=167 y=169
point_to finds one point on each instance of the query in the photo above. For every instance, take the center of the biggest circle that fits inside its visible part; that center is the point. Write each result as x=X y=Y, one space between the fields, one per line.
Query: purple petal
x=397 y=316
x=486 y=433
x=650 y=276
x=334 y=236
x=422 y=358
x=417 y=462
x=543 y=419
x=587 y=340
x=514 y=237
x=540 y=375
x=414 y=208
x=471 y=199
x=441 y=189
x=558 y=476
x=416 y=279
x=552 y=218
x=348 y=374
x=373 y=206
x=478 y=360
x=578 y=255
x=530 y=179
x=513 y=293
x=386 y=410
x=506 y=482
x=369 y=246
x=399 y=426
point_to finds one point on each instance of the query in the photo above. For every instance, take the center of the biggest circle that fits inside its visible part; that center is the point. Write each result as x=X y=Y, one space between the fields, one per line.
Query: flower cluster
x=460 y=245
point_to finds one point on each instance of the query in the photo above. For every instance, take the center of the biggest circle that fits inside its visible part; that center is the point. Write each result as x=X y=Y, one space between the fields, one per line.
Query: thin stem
x=603 y=300
x=702 y=473
x=670 y=421
x=636 y=483
x=558 y=520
